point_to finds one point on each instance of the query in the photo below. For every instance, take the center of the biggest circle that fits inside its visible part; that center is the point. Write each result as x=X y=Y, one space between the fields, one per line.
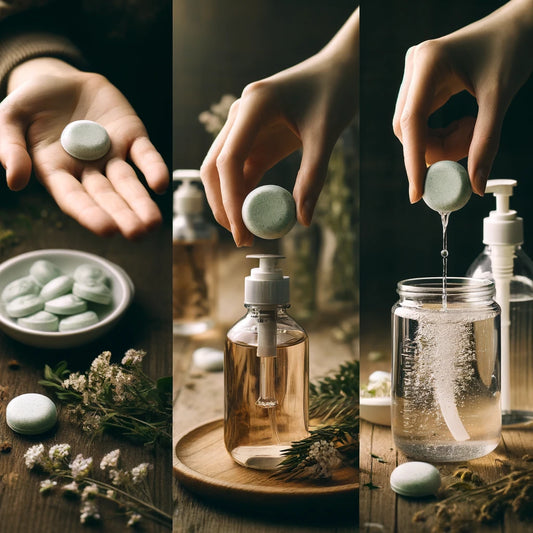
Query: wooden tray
x=203 y=466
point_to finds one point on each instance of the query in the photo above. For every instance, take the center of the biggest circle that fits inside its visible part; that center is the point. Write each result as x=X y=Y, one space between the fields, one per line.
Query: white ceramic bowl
x=376 y=410
x=67 y=260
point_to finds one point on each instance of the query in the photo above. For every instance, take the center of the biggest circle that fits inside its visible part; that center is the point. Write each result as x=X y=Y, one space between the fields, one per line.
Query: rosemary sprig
x=334 y=403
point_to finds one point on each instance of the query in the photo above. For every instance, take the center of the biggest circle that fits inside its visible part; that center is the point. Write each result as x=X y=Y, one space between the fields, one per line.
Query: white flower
x=80 y=466
x=76 y=381
x=111 y=493
x=58 y=452
x=110 y=459
x=70 y=488
x=34 y=456
x=47 y=485
x=89 y=492
x=101 y=363
x=89 y=512
x=139 y=472
x=326 y=457
x=133 y=357
x=115 y=476
x=135 y=518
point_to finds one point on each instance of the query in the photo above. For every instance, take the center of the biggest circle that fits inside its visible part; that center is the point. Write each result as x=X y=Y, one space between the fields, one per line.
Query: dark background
x=400 y=240
x=220 y=47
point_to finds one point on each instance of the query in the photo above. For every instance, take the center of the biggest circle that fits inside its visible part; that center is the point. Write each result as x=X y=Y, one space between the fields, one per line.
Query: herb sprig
x=334 y=403
x=118 y=398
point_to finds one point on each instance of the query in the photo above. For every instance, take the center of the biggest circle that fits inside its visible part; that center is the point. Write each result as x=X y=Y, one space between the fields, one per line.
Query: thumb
x=485 y=140
x=14 y=155
x=311 y=178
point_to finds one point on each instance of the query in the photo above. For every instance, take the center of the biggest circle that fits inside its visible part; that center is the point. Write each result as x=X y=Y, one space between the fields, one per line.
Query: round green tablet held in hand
x=43 y=271
x=40 y=321
x=68 y=304
x=447 y=187
x=79 y=321
x=24 y=306
x=20 y=287
x=269 y=211
x=415 y=479
x=31 y=414
x=85 y=140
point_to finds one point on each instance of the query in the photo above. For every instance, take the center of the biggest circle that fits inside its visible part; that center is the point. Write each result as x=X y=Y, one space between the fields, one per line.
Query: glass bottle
x=504 y=261
x=194 y=243
x=445 y=370
x=266 y=373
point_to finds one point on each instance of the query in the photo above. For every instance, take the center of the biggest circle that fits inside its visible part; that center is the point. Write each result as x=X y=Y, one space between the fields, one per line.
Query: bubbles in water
x=444 y=253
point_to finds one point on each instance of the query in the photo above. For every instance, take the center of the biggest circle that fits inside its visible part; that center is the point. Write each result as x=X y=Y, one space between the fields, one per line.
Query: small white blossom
x=89 y=512
x=47 y=485
x=58 y=452
x=326 y=458
x=34 y=456
x=70 y=488
x=89 y=492
x=139 y=472
x=135 y=518
x=76 y=382
x=111 y=493
x=80 y=466
x=101 y=365
x=110 y=460
x=115 y=476
x=133 y=357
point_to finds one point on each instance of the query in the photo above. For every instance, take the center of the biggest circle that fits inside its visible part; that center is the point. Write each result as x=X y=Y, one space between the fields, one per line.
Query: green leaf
x=164 y=385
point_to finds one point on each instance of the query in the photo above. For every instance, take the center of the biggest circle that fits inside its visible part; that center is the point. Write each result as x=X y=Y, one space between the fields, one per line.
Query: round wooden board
x=203 y=466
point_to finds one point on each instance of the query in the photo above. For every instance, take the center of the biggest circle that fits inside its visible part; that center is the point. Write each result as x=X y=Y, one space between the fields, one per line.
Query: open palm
x=104 y=196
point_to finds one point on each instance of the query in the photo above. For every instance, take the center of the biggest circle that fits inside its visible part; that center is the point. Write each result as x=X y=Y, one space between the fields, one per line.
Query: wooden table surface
x=382 y=510
x=37 y=223
x=199 y=397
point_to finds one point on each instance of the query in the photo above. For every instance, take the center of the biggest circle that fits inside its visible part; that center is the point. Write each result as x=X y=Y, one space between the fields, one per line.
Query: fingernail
x=480 y=182
x=413 y=197
x=308 y=208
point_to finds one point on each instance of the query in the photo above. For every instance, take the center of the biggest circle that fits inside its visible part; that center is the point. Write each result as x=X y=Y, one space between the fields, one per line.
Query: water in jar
x=445 y=386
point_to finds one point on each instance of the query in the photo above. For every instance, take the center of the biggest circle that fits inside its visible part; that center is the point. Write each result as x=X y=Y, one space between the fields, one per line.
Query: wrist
x=38 y=66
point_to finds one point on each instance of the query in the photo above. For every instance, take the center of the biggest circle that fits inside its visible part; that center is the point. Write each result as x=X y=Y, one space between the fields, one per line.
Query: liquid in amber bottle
x=194 y=243
x=266 y=373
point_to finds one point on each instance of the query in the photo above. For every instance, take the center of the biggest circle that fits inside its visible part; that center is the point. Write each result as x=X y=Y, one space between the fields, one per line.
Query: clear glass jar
x=266 y=398
x=446 y=369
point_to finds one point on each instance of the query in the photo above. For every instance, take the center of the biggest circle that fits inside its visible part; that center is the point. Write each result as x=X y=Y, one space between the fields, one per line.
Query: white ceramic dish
x=67 y=260
x=376 y=410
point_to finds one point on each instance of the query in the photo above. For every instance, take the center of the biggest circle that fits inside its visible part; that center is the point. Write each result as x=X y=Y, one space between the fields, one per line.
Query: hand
x=306 y=106
x=491 y=59
x=104 y=196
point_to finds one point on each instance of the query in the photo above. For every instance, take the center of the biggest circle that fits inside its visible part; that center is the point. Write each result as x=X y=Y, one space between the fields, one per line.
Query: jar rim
x=454 y=286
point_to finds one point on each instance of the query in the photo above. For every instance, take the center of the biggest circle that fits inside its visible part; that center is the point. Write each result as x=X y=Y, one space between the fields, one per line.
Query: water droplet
x=444 y=253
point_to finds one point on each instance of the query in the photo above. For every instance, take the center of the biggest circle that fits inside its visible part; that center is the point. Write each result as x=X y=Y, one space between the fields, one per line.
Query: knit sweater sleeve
x=19 y=44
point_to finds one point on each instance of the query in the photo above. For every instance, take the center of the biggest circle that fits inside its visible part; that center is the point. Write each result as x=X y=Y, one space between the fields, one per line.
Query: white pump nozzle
x=188 y=199
x=266 y=284
x=502 y=227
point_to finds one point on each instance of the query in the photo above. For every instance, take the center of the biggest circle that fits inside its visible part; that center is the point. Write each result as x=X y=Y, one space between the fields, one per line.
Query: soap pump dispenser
x=194 y=270
x=504 y=261
x=266 y=372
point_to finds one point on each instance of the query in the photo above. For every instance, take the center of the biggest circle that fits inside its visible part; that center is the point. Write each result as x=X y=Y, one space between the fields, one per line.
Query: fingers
x=485 y=139
x=450 y=143
x=134 y=197
x=150 y=163
x=311 y=177
x=14 y=156
x=73 y=200
x=209 y=171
